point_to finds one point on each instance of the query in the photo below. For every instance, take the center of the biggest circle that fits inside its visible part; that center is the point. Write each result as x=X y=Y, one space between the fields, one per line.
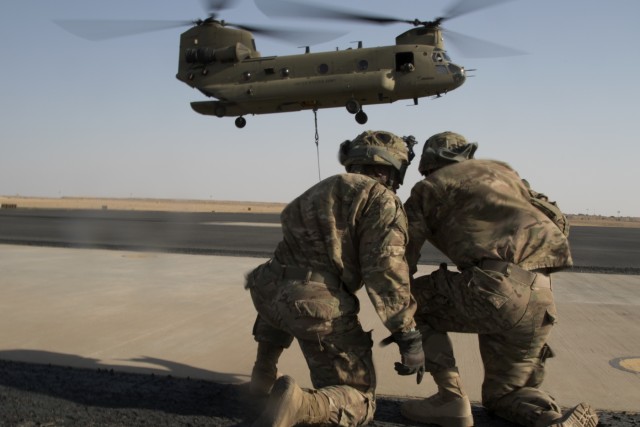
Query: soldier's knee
x=349 y=406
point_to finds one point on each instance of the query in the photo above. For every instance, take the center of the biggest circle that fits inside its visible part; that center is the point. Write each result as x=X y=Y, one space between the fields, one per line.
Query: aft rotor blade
x=286 y=8
x=463 y=7
x=472 y=47
x=108 y=29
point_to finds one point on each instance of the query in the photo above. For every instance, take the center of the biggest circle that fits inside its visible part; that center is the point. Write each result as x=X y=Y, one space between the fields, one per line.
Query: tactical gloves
x=411 y=353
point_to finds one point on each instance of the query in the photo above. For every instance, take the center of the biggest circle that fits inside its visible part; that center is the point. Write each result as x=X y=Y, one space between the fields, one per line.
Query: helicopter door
x=405 y=61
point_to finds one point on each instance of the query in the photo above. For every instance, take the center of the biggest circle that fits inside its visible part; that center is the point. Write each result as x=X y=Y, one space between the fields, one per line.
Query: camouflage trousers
x=513 y=321
x=324 y=321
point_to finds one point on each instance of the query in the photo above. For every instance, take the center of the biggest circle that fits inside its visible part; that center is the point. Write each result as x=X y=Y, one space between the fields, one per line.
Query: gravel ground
x=51 y=396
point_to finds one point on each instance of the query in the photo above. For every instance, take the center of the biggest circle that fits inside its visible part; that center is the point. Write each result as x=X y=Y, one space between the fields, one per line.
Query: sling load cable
x=315 y=118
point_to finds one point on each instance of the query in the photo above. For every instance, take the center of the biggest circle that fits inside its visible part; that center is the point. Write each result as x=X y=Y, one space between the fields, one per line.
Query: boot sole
x=582 y=415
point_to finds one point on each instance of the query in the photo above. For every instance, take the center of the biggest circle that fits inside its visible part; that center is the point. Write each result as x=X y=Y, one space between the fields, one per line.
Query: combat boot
x=265 y=370
x=582 y=415
x=289 y=405
x=450 y=407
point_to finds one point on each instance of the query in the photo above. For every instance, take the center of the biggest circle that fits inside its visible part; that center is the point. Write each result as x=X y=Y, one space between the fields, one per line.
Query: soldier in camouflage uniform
x=347 y=231
x=479 y=213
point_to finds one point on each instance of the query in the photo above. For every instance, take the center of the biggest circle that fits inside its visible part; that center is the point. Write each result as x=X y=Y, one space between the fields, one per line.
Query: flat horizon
x=227 y=206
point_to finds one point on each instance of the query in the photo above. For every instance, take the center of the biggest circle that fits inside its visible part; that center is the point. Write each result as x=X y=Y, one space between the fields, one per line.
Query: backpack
x=549 y=208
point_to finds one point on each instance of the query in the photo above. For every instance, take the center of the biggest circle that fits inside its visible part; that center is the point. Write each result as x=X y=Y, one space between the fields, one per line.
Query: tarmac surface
x=594 y=249
x=120 y=338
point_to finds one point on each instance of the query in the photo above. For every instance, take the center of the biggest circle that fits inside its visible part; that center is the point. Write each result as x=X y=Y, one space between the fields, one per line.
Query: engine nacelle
x=207 y=55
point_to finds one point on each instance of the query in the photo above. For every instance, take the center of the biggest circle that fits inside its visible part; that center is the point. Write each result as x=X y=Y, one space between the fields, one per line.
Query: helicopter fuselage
x=232 y=71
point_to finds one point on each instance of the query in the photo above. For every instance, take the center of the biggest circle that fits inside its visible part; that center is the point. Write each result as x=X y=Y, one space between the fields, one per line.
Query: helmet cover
x=374 y=148
x=445 y=148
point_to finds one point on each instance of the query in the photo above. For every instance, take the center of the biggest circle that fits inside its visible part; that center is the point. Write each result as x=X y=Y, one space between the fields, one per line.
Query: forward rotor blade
x=302 y=36
x=285 y=8
x=212 y=7
x=96 y=30
x=463 y=7
x=472 y=47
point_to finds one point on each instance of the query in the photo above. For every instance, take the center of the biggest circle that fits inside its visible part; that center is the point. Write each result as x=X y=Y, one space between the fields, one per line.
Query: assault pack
x=549 y=208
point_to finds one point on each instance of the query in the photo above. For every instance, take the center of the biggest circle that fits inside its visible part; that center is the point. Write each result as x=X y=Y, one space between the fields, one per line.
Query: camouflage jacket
x=353 y=227
x=479 y=209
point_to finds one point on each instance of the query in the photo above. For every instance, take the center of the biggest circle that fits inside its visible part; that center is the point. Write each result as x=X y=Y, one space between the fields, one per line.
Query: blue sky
x=109 y=118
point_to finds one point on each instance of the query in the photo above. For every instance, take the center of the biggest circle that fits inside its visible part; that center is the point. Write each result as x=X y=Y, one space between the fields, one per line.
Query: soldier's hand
x=411 y=353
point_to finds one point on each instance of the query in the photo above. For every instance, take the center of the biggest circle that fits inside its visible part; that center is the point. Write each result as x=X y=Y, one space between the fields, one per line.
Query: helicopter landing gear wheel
x=361 y=117
x=353 y=106
x=241 y=122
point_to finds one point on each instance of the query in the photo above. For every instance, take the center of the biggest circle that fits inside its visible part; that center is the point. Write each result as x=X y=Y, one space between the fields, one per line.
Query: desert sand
x=169 y=205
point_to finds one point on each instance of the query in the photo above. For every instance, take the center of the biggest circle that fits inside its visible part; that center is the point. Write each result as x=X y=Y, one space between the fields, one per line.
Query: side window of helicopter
x=323 y=68
x=285 y=72
x=404 y=61
x=246 y=76
x=363 y=65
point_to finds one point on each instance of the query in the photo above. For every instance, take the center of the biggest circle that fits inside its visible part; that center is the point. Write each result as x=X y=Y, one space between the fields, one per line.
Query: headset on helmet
x=378 y=148
x=445 y=148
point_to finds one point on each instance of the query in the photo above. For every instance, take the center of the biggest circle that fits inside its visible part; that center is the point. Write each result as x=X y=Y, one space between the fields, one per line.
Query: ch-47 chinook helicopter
x=221 y=61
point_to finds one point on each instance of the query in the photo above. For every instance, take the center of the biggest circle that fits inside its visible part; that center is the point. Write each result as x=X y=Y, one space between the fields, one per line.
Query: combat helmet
x=445 y=148
x=372 y=148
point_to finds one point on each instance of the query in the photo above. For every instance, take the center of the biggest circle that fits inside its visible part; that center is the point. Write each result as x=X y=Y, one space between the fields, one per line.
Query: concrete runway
x=188 y=316
x=593 y=248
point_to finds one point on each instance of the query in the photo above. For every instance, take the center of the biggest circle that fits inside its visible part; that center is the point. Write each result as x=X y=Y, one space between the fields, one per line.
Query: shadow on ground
x=37 y=394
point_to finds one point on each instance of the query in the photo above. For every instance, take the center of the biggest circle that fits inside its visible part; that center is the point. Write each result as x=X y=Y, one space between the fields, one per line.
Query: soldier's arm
x=382 y=233
x=417 y=228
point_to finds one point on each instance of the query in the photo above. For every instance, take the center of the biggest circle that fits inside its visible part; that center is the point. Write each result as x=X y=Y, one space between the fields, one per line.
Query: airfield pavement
x=118 y=338
x=185 y=205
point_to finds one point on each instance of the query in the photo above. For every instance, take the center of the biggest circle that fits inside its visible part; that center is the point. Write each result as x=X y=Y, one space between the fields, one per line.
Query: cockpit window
x=440 y=56
x=441 y=69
